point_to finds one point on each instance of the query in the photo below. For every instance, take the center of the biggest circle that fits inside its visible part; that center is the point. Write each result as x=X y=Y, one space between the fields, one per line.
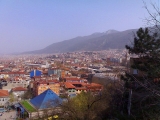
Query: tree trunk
x=129 y=102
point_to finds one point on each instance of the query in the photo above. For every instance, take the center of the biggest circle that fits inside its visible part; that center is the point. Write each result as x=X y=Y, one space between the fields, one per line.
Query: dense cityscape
x=79 y=60
x=27 y=77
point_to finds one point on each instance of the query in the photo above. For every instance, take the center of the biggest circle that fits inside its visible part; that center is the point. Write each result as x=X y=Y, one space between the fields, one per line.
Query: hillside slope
x=111 y=39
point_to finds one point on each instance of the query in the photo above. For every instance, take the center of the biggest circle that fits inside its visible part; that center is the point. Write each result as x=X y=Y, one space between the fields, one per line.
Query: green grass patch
x=27 y=106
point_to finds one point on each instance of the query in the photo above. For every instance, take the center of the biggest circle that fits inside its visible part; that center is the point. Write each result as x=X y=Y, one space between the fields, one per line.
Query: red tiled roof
x=19 y=89
x=75 y=82
x=69 y=85
x=4 y=93
x=72 y=79
x=81 y=88
x=94 y=86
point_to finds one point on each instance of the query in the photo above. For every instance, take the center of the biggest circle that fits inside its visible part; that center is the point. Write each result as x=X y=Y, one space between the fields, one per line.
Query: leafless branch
x=153 y=17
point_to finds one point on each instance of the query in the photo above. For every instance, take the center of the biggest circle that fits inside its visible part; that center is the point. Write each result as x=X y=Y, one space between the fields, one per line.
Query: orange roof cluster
x=84 y=86
x=4 y=93
x=19 y=89
x=72 y=78
x=95 y=84
x=69 y=85
x=81 y=88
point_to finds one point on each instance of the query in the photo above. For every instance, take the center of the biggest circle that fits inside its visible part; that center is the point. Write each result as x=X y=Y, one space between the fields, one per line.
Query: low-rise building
x=19 y=91
x=78 y=87
x=4 y=97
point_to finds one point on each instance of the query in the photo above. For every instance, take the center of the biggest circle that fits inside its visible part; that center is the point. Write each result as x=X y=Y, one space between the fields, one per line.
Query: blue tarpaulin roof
x=47 y=99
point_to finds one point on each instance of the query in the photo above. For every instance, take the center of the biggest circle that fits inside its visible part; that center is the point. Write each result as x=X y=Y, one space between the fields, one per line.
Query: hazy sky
x=27 y=25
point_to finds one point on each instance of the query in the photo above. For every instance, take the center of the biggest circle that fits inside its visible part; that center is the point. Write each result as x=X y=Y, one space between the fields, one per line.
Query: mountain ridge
x=111 y=39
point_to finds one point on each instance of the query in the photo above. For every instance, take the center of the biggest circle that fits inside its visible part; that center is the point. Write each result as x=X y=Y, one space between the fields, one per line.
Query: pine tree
x=146 y=92
x=146 y=47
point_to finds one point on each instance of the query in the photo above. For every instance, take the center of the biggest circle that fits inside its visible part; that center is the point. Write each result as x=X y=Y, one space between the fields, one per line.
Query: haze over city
x=79 y=60
x=31 y=25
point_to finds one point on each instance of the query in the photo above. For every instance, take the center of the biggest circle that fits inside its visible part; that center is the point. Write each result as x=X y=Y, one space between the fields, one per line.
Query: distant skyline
x=27 y=25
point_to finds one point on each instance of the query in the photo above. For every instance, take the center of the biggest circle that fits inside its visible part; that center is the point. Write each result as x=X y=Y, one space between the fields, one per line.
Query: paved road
x=7 y=115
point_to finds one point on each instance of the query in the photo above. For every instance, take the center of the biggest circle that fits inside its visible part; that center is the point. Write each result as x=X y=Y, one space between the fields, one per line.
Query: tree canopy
x=91 y=106
x=144 y=92
x=146 y=47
